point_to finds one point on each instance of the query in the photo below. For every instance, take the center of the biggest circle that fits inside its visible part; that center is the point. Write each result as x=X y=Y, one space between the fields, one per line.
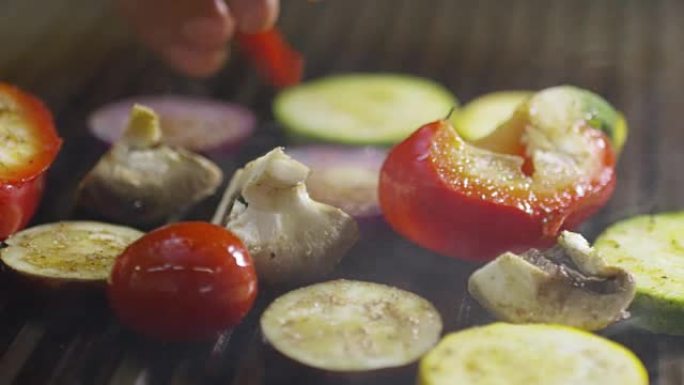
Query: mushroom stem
x=143 y=129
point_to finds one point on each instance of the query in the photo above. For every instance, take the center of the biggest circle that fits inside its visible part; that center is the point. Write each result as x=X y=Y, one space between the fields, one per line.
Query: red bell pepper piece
x=476 y=202
x=273 y=57
x=28 y=147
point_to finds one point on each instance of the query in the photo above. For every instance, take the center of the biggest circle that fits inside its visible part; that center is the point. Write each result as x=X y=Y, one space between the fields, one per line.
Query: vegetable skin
x=292 y=238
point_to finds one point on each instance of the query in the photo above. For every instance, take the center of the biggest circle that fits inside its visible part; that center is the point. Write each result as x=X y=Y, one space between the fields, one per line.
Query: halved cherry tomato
x=273 y=56
x=474 y=203
x=184 y=281
x=28 y=146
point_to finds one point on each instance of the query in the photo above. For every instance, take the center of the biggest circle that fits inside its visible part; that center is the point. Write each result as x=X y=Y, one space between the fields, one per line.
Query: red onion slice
x=197 y=124
x=344 y=177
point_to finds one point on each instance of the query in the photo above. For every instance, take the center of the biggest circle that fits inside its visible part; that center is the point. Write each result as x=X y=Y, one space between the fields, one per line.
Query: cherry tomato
x=28 y=147
x=184 y=281
x=474 y=203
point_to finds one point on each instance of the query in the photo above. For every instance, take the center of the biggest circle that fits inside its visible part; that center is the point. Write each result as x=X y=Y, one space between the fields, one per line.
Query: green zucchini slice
x=651 y=247
x=479 y=117
x=578 y=105
x=380 y=109
x=533 y=354
x=351 y=326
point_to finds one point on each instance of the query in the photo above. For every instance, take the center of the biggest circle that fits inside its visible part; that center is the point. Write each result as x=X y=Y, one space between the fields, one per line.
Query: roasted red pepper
x=28 y=146
x=273 y=57
x=514 y=190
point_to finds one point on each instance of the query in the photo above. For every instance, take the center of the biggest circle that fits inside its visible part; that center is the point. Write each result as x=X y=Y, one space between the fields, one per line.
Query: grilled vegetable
x=651 y=247
x=142 y=181
x=537 y=174
x=343 y=177
x=291 y=237
x=362 y=108
x=481 y=116
x=529 y=355
x=184 y=281
x=203 y=125
x=351 y=326
x=67 y=251
x=591 y=108
x=569 y=284
x=273 y=56
x=29 y=146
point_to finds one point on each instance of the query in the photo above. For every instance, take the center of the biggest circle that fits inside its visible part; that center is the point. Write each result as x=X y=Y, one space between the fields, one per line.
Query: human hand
x=192 y=35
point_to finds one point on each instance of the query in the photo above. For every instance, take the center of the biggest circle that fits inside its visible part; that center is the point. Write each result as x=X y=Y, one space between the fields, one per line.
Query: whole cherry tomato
x=516 y=191
x=184 y=281
x=28 y=147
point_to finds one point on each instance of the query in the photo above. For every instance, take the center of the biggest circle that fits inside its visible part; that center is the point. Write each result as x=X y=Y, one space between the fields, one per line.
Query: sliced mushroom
x=291 y=238
x=142 y=181
x=568 y=284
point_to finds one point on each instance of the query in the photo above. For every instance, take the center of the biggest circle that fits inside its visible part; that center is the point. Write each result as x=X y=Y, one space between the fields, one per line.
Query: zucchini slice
x=67 y=251
x=579 y=105
x=620 y=132
x=533 y=354
x=651 y=247
x=351 y=326
x=481 y=116
x=380 y=109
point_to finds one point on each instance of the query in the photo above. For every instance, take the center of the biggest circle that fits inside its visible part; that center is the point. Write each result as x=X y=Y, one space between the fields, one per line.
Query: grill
x=627 y=50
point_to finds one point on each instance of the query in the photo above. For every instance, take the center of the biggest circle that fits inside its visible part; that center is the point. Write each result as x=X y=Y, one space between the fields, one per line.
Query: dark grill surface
x=630 y=51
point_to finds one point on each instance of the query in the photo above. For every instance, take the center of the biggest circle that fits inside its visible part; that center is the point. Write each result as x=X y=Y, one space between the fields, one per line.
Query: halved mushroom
x=142 y=181
x=568 y=284
x=291 y=237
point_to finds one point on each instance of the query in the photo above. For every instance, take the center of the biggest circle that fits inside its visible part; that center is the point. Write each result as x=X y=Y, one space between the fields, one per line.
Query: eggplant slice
x=142 y=181
x=68 y=251
x=351 y=326
x=568 y=284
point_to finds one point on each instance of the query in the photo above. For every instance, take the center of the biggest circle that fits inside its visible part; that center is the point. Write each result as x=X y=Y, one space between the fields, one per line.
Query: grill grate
x=627 y=50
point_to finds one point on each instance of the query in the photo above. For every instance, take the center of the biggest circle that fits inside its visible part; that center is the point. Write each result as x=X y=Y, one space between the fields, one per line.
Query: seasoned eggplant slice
x=568 y=284
x=142 y=181
x=291 y=237
x=351 y=326
x=70 y=251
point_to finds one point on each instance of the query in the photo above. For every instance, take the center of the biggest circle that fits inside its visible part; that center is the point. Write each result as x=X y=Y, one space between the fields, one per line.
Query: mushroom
x=142 y=181
x=568 y=284
x=291 y=238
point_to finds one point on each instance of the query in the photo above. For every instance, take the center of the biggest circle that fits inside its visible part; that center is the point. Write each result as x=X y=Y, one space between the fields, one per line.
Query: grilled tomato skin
x=184 y=281
x=426 y=196
x=28 y=147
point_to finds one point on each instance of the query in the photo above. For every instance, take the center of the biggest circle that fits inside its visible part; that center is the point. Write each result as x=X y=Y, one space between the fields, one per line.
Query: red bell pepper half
x=28 y=146
x=514 y=190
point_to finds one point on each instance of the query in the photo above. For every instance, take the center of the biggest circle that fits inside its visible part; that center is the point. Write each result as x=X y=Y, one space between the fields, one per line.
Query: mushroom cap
x=291 y=237
x=568 y=284
x=142 y=181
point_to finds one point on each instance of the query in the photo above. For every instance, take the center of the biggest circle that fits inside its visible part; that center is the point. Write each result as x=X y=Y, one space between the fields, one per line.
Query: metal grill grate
x=628 y=50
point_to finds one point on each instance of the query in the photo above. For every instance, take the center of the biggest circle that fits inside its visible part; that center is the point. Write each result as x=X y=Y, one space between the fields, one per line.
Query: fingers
x=254 y=15
x=195 y=63
x=191 y=35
